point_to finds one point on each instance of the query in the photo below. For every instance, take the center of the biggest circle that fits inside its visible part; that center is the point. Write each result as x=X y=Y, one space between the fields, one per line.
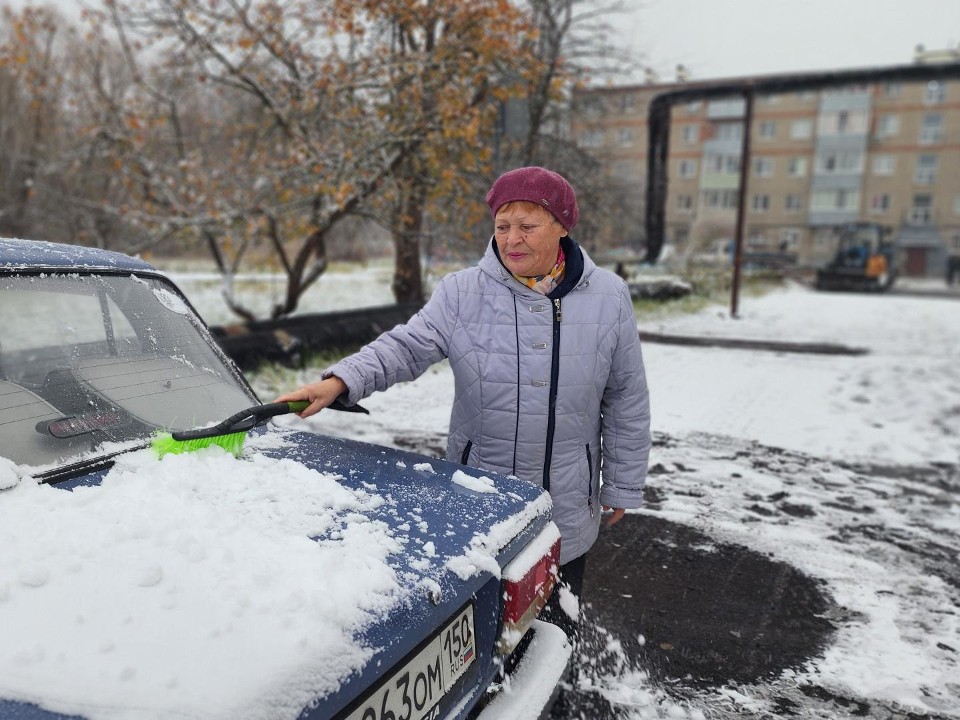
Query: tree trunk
x=407 y=229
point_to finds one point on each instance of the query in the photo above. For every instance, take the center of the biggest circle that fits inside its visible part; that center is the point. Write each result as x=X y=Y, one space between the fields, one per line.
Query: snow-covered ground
x=845 y=467
x=351 y=287
x=867 y=445
x=900 y=403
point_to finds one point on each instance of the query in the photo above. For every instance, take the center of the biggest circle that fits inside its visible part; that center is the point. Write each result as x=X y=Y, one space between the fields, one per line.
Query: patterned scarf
x=544 y=284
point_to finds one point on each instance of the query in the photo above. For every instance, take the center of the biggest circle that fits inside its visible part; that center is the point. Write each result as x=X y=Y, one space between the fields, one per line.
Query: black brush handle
x=253 y=416
x=243 y=420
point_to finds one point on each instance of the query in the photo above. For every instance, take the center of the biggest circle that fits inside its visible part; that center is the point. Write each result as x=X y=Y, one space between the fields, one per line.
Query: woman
x=546 y=359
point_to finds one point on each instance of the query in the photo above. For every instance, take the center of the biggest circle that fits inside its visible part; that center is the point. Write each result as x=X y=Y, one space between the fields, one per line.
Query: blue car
x=310 y=577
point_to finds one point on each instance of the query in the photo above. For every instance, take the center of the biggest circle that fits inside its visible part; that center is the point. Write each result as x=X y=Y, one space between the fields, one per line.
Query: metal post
x=741 y=202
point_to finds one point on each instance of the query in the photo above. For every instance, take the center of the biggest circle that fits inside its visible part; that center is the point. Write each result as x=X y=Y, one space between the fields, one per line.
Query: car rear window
x=88 y=361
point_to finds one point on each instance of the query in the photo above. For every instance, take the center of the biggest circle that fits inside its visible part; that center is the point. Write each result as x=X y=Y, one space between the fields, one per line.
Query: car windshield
x=93 y=363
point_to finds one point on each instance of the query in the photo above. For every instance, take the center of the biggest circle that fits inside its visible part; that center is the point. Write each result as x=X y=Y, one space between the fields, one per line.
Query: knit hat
x=540 y=186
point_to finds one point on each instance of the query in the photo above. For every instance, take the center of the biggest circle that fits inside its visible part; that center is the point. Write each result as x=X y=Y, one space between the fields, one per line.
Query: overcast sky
x=724 y=38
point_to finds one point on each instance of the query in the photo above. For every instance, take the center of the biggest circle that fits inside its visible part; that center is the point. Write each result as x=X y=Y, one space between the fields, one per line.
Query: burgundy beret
x=540 y=186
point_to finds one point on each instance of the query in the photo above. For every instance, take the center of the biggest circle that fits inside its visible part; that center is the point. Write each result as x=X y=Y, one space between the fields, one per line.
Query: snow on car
x=312 y=577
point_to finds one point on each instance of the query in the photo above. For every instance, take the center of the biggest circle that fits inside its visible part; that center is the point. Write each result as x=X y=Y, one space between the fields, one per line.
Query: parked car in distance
x=720 y=253
x=312 y=577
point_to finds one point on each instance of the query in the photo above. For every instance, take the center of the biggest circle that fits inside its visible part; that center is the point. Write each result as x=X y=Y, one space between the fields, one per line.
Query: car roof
x=34 y=254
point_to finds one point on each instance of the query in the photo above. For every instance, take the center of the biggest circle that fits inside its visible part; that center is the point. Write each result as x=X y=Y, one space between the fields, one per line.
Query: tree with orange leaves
x=256 y=127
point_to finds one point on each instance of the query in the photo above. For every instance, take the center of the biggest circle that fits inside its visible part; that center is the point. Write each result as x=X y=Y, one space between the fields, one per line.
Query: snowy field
x=360 y=286
x=844 y=466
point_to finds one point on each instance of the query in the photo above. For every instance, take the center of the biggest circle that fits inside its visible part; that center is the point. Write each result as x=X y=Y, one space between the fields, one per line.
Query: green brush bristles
x=164 y=444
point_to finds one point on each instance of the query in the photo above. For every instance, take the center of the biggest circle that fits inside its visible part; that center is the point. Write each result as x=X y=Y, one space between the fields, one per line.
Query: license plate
x=413 y=692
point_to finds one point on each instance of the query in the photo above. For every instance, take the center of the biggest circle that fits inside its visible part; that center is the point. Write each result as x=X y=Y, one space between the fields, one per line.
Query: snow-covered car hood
x=204 y=586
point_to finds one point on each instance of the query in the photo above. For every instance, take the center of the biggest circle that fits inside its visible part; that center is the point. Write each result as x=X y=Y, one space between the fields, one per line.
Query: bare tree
x=574 y=42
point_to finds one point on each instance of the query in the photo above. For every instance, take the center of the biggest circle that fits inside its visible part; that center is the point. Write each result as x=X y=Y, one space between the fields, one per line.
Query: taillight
x=527 y=582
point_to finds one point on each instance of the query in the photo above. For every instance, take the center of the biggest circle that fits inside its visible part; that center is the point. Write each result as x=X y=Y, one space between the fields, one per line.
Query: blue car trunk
x=467 y=529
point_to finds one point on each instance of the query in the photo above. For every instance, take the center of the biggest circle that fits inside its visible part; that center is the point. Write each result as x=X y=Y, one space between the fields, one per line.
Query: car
x=310 y=577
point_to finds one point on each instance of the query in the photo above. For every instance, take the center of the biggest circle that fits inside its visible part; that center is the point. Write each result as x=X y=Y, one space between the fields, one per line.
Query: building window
x=592 y=106
x=628 y=103
x=722 y=199
x=840 y=163
x=880 y=203
x=891 y=89
x=888 y=126
x=797 y=166
x=922 y=211
x=845 y=91
x=793 y=203
x=926 y=169
x=936 y=93
x=835 y=200
x=694 y=107
x=884 y=164
x=685 y=204
x=691 y=133
x=843 y=122
x=730 y=131
x=716 y=164
x=624 y=169
x=760 y=203
x=932 y=129
x=956 y=205
x=591 y=138
x=687 y=168
x=801 y=130
x=767 y=130
x=789 y=239
x=625 y=136
x=763 y=167
x=806 y=96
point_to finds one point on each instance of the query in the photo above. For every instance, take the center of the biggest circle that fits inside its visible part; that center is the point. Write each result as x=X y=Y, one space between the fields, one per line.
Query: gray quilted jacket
x=545 y=386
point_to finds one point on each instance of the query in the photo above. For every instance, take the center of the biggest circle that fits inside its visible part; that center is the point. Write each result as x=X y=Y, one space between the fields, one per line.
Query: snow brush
x=231 y=433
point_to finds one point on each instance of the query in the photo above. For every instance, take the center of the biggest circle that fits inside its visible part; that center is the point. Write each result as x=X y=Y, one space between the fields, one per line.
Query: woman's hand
x=319 y=394
x=616 y=514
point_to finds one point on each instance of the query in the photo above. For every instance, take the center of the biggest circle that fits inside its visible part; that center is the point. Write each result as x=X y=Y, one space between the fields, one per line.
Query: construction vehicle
x=865 y=259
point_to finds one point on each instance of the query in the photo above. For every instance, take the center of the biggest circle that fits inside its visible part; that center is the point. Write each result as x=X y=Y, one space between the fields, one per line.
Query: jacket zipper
x=465 y=455
x=589 y=480
x=552 y=407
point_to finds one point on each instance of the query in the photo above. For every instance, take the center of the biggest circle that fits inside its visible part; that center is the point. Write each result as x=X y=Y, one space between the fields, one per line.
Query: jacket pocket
x=465 y=455
x=590 y=481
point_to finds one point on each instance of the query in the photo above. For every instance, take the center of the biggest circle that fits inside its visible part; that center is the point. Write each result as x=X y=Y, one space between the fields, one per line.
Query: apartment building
x=887 y=153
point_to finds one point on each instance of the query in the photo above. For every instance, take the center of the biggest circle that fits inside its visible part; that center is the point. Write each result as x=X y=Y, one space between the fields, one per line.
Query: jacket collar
x=579 y=267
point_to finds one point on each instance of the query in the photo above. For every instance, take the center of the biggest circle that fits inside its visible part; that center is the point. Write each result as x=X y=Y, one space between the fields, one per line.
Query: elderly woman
x=545 y=353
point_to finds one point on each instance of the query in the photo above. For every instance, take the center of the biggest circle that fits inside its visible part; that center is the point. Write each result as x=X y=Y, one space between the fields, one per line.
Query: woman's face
x=528 y=238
